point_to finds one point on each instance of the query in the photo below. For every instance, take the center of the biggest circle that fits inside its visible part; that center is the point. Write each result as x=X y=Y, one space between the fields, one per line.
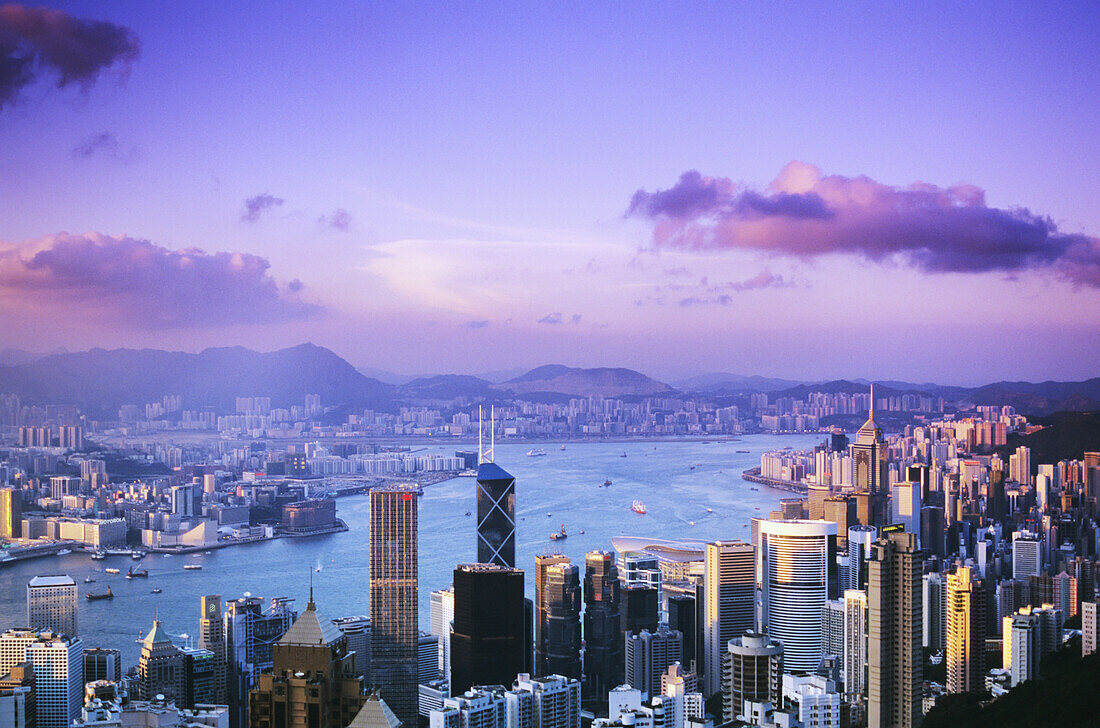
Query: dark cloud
x=806 y=214
x=141 y=285
x=102 y=143
x=339 y=219
x=576 y=318
x=476 y=324
x=763 y=279
x=253 y=206
x=38 y=42
x=551 y=318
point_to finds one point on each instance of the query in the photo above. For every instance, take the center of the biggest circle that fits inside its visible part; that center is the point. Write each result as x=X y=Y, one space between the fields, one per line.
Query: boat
x=192 y=567
x=131 y=574
x=111 y=571
x=96 y=597
x=710 y=510
x=157 y=590
x=88 y=580
x=137 y=555
x=562 y=447
x=99 y=556
x=561 y=534
x=691 y=523
x=205 y=553
x=606 y=483
x=536 y=452
x=754 y=489
x=64 y=552
x=623 y=455
x=638 y=507
x=744 y=452
x=468 y=513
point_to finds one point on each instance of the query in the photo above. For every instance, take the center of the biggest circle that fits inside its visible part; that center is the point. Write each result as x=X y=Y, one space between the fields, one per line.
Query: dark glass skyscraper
x=496 y=515
x=489 y=641
x=393 y=605
x=639 y=608
x=603 y=634
x=561 y=597
x=543 y=562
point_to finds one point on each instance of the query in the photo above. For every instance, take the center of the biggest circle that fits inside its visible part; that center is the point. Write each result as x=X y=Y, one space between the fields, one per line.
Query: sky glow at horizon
x=793 y=191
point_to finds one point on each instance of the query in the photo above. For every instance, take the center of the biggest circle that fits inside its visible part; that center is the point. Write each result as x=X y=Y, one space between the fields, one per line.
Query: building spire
x=311 y=605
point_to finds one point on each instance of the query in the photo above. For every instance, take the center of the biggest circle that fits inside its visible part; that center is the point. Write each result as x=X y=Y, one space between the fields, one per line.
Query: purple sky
x=799 y=191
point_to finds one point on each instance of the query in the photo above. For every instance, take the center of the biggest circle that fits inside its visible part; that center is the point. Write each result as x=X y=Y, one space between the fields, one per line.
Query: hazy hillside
x=602 y=382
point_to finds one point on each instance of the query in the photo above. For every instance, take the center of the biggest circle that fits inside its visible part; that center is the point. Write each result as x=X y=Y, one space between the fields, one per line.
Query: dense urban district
x=933 y=559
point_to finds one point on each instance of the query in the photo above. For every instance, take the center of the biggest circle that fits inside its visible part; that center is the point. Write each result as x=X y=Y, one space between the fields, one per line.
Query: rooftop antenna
x=492 y=454
x=483 y=455
x=311 y=585
x=871 y=413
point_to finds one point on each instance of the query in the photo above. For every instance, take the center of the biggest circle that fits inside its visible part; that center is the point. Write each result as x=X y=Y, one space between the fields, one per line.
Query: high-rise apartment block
x=753 y=671
x=57 y=663
x=894 y=621
x=965 y=618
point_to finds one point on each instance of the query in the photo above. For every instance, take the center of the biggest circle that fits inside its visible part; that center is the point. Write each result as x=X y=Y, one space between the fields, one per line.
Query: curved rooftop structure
x=667 y=550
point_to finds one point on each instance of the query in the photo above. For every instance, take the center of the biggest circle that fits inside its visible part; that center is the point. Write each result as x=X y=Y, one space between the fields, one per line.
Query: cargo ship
x=96 y=597
x=559 y=535
x=131 y=574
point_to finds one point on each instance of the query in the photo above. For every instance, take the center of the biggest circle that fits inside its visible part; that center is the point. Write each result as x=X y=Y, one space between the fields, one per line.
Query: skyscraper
x=860 y=538
x=870 y=467
x=603 y=638
x=250 y=634
x=1090 y=627
x=496 y=515
x=51 y=604
x=542 y=563
x=894 y=619
x=648 y=655
x=488 y=642
x=212 y=637
x=639 y=608
x=729 y=611
x=1027 y=557
x=799 y=572
x=561 y=628
x=393 y=599
x=966 y=606
x=681 y=617
x=160 y=667
x=934 y=607
x=753 y=671
x=58 y=666
x=11 y=513
x=855 y=642
x=905 y=504
x=442 y=606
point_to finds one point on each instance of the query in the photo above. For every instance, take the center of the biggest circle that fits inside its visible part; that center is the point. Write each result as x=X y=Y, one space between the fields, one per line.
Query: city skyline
x=496 y=188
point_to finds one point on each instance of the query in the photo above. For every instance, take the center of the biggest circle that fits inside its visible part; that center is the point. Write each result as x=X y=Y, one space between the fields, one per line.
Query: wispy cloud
x=39 y=42
x=255 y=206
x=551 y=318
x=806 y=214
x=474 y=325
x=138 y=284
x=340 y=219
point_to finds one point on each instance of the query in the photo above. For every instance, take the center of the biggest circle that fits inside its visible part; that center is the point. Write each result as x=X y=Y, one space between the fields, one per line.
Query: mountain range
x=100 y=381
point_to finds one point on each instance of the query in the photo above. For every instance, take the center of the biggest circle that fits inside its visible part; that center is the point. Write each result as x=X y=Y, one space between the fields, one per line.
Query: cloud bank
x=38 y=42
x=139 y=284
x=254 y=206
x=806 y=214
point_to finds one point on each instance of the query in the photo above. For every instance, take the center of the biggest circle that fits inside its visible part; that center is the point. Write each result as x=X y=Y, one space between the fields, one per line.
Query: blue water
x=561 y=487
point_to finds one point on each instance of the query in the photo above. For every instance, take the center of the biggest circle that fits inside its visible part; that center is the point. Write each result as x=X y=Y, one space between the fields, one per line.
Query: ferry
x=638 y=507
x=96 y=597
x=111 y=570
x=536 y=452
x=64 y=552
x=561 y=534
x=192 y=567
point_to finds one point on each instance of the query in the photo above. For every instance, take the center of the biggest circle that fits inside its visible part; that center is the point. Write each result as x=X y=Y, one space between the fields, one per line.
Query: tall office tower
x=603 y=635
x=1065 y=594
x=557 y=700
x=832 y=627
x=841 y=510
x=855 y=642
x=860 y=538
x=1027 y=557
x=636 y=568
x=1020 y=646
x=51 y=604
x=101 y=663
x=753 y=670
x=212 y=637
x=870 y=467
x=639 y=608
x=798 y=573
x=894 y=617
x=57 y=663
x=729 y=609
x=160 y=667
x=496 y=515
x=199 y=681
x=905 y=504
x=648 y=655
x=11 y=513
x=250 y=634
x=934 y=609
x=393 y=600
x=357 y=630
x=313 y=682
x=560 y=603
x=965 y=619
x=488 y=642
x=17 y=708
x=442 y=608
x=1019 y=465
x=681 y=617
x=815 y=503
x=542 y=563
x=427 y=659
x=933 y=531
x=1090 y=627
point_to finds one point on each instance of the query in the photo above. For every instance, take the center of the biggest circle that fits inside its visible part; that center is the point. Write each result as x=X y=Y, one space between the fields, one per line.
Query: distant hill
x=1065 y=435
x=721 y=383
x=99 y=381
x=1041 y=398
x=601 y=382
x=448 y=386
